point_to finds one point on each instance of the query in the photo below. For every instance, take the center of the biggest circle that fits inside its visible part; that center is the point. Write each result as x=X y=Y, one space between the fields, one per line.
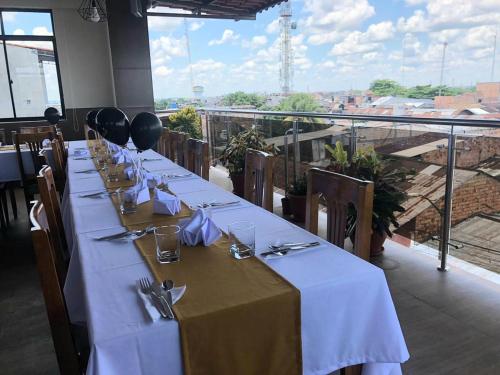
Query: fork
x=146 y=289
x=155 y=291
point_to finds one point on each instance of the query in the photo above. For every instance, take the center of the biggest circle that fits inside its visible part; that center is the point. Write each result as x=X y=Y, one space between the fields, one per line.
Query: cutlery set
x=122 y=235
x=87 y=171
x=284 y=249
x=160 y=295
x=177 y=175
x=216 y=204
x=100 y=194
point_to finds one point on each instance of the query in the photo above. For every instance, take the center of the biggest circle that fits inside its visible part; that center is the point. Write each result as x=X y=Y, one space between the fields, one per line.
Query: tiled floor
x=451 y=321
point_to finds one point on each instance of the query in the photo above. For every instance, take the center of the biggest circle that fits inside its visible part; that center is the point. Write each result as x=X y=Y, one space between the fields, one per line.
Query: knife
x=157 y=302
x=165 y=299
x=113 y=236
x=289 y=248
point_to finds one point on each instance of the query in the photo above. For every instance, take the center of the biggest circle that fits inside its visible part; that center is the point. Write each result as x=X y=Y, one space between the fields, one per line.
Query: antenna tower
x=286 y=55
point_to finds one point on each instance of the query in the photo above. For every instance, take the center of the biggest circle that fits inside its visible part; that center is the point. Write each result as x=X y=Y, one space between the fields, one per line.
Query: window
x=29 y=70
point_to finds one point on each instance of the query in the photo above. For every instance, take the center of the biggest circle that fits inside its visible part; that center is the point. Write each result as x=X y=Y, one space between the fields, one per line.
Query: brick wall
x=478 y=150
x=481 y=194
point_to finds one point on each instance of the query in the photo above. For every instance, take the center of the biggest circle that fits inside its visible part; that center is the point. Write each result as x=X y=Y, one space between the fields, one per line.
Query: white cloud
x=9 y=16
x=168 y=46
x=273 y=27
x=449 y=14
x=227 y=36
x=19 y=32
x=196 y=25
x=359 y=42
x=412 y=3
x=328 y=64
x=163 y=24
x=207 y=65
x=162 y=71
x=329 y=15
x=256 y=42
x=41 y=30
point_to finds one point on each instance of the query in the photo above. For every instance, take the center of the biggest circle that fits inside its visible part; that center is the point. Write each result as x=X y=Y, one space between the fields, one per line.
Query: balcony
x=451 y=221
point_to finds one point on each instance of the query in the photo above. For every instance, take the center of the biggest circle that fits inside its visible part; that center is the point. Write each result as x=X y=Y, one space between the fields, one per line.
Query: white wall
x=83 y=50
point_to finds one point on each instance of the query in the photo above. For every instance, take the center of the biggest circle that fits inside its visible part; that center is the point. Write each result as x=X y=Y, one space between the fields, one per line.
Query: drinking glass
x=111 y=171
x=128 y=201
x=242 y=239
x=168 y=246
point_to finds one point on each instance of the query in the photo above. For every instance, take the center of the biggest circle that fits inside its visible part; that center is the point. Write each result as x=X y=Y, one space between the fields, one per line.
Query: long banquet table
x=347 y=313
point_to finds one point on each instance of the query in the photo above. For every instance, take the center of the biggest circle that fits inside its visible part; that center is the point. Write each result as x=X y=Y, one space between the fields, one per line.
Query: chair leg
x=3 y=224
x=13 y=202
x=5 y=208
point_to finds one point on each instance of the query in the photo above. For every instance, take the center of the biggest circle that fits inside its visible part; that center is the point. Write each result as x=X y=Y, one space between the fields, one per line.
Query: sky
x=338 y=45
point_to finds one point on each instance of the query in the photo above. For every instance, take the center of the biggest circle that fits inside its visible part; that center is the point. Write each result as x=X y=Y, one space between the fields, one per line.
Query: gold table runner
x=237 y=316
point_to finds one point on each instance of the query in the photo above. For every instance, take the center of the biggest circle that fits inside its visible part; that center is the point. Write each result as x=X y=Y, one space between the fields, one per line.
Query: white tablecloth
x=9 y=167
x=347 y=313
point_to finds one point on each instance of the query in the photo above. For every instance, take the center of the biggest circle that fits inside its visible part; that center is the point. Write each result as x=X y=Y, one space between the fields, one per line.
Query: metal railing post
x=296 y=150
x=353 y=140
x=448 y=202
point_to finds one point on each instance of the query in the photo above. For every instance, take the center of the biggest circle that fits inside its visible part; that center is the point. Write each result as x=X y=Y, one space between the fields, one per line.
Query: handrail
x=449 y=121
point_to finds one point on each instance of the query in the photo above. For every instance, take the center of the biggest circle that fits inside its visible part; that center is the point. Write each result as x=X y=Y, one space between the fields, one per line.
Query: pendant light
x=92 y=11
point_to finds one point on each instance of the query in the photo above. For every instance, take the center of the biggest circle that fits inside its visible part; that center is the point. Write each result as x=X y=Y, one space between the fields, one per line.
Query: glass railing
x=452 y=169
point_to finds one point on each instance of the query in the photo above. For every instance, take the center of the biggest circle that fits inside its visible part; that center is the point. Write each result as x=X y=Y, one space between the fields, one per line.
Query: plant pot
x=377 y=243
x=238 y=184
x=298 y=207
x=285 y=205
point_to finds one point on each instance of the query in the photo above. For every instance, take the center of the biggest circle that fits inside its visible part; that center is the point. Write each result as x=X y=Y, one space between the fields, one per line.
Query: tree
x=386 y=87
x=299 y=103
x=242 y=98
x=186 y=120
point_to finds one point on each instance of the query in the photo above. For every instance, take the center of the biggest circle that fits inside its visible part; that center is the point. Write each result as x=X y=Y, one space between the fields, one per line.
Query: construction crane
x=286 y=48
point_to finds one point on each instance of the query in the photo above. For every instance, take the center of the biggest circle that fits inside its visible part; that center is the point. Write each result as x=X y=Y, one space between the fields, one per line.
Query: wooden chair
x=34 y=143
x=50 y=200
x=4 y=208
x=339 y=191
x=178 y=147
x=197 y=157
x=28 y=130
x=59 y=164
x=259 y=178
x=60 y=138
x=163 y=145
x=70 y=356
x=3 y=137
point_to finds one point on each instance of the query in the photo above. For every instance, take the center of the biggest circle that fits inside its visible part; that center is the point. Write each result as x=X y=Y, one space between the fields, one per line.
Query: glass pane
x=27 y=23
x=5 y=102
x=34 y=76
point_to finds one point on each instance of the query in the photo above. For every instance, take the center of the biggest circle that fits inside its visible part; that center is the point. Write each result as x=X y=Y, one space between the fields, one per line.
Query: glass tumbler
x=168 y=243
x=128 y=201
x=242 y=239
x=111 y=171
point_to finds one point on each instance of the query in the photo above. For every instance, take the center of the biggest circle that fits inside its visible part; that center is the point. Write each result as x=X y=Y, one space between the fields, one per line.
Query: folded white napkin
x=129 y=172
x=153 y=180
x=81 y=153
x=152 y=311
x=113 y=147
x=165 y=204
x=142 y=191
x=46 y=143
x=199 y=228
x=118 y=157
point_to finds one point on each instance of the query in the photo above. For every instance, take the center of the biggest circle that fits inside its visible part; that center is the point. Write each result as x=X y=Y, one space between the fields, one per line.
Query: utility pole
x=492 y=77
x=445 y=44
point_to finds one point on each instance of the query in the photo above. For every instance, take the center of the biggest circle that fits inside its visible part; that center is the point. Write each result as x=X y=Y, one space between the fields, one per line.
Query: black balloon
x=52 y=115
x=91 y=118
x=145 y=130
x=113 y=125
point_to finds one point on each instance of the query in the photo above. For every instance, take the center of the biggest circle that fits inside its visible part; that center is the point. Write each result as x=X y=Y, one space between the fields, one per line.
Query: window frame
x=42 y=38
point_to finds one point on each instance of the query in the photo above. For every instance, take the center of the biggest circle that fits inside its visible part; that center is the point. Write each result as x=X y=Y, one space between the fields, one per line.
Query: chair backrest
x=59 y=163
x=259 y=178
x=28 y=130
x=50 y=199
x=178 y=147
x=197 y=157
x=338 y=192
x=54 y=300
x=163 y=145
x=34 y=143
x=3 y=137
x=59 y=136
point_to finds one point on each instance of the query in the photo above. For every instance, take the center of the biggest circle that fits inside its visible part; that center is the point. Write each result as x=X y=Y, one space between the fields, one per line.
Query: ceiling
x=233 y=9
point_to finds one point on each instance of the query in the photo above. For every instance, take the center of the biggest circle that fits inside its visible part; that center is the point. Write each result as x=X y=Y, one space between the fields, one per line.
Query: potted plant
x=387 y=199
x=233 y=155
x=297 y=194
